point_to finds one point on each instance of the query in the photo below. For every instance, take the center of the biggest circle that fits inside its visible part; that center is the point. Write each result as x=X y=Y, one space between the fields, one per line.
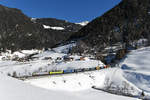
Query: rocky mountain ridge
x=126 y=23
x=18 y=31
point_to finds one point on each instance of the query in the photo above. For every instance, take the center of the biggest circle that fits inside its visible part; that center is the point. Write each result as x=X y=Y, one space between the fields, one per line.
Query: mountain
x=18 y=31
x=83 y=23
x=125 y=23
x=52 y=22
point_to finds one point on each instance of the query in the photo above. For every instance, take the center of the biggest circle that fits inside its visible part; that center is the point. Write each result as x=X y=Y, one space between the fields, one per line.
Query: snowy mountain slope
x=57 y=25
x=138 y=61
x=65 y=48
x=20 y=54
x=12 y=89
x=83 y=23
x=53 y=28
x=136 y=67
x=113 y=80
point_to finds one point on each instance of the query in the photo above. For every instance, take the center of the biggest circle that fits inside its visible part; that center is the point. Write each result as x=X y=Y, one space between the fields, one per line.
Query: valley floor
x=131 y=78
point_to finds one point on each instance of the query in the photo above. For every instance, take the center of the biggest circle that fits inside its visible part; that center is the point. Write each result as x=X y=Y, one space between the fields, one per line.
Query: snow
x=30 y=51
x=138 y=61
x=136 y=68
x=78 y=64
x=27 y=68
x=140 y=43
x=8 y=55
x=70 y=82
x=52 y=54
x=65 y=48
x=54 y=28
x=84 y=81
x=19 y=54
x=40 y=63
x=46 y=27
x=83 y=23
x=33 y=20
x=131 y=78
x=57 y=28
x=13 y=89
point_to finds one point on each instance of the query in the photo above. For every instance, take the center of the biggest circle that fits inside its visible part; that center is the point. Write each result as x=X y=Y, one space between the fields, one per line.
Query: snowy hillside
x=108 y=78
x=130 y=80
x=137 y=67
x=12 y=89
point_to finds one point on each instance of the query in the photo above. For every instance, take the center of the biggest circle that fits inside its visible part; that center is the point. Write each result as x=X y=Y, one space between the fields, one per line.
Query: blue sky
x=71 y=10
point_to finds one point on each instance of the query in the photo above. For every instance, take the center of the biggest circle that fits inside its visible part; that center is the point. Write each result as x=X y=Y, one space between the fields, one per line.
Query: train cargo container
x=68 y=71
x=56 y=72
x=78 y=70
x=39 y=73
x=86 y=69
x=93 y=68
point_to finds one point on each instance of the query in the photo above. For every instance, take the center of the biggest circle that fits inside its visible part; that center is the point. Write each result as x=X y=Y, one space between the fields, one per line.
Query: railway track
x=54 y=75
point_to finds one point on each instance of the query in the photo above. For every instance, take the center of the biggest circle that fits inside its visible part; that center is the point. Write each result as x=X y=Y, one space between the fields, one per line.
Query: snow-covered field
x=132 y=78
x=41 y=65
x=13 y=89
x=101 y=79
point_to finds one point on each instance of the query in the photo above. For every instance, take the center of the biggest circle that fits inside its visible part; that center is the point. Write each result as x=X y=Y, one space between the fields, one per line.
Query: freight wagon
x=93 y=68
x=56 y=72
x=68 y=71
x=39 y=73
x=86 y=69
x=78 y=70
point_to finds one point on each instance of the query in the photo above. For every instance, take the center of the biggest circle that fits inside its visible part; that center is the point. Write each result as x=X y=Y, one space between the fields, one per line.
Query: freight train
x=69 y=71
